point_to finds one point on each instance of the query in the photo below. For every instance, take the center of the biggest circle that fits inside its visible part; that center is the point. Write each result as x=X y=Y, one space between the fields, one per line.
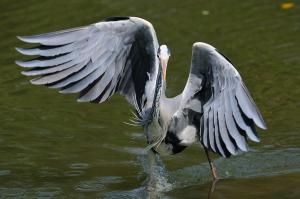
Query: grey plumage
x=228 y=111
x=122 y=55
x=96 y=60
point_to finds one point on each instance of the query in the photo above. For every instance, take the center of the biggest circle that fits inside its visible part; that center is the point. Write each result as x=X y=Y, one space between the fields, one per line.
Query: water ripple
x=47 y=192
x=79 y=166
x=73 y=173
x=4 y=172
x=12 y=192
x=97 y=184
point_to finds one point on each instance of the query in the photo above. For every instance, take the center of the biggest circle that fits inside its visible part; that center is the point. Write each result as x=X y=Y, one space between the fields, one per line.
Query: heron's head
x=163 y=55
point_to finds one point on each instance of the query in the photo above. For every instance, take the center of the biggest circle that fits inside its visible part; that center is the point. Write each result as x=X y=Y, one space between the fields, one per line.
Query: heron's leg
x=212 y=167
x=212 y=189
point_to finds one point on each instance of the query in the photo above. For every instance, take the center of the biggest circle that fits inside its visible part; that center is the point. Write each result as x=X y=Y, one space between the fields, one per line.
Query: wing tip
x=255 y=139
x=80 y=100
x=26 y=73
x=25 y=51
x=21 y=63
x=20 y=37
x=27 y=39
x=261 y=124
x=65 y=91
x=62 y=92
x=20 y=50
x=234 y=152
x=26 y=64
x=253 y=112
x=36 y=81
x=244 y=147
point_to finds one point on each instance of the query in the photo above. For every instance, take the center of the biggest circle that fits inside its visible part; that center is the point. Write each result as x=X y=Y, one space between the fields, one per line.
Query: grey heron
x=122 y=55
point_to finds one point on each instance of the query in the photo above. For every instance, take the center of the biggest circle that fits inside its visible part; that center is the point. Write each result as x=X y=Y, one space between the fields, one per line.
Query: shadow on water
x=160 y=182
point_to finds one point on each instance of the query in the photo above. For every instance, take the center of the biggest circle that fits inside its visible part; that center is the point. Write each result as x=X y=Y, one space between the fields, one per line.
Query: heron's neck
x=168 y=106
x=163 y=89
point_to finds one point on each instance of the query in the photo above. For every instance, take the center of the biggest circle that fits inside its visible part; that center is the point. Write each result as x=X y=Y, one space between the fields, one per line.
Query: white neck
x=163 y=89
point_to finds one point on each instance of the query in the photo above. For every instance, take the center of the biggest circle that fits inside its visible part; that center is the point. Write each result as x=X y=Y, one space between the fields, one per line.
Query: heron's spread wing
x=115 y=55
x=216 y=93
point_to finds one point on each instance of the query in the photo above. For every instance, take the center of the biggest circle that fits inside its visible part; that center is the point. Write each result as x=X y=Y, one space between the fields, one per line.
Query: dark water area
x=53 y=147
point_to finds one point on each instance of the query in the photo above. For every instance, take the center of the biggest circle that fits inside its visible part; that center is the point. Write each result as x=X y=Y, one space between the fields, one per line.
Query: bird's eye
x=158 y=51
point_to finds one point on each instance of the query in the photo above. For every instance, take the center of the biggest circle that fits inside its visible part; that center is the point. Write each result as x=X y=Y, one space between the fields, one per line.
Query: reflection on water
x=53 y=147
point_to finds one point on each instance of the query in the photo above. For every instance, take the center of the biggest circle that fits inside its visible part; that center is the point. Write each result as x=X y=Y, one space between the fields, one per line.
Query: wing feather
x=205 y=129
x=216 y=132
x=231 y=126
x=211 y=129
x=48 y=70
x=223 y=131
x=57 y=76
x=48 y=51
x=247 y=104
x=118 y=54
x=99 y=87
x=229 y=114
x=58 y=37
x=239 y=119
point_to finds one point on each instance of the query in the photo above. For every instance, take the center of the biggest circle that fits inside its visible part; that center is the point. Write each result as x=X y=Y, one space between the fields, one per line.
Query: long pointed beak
x=164 y=63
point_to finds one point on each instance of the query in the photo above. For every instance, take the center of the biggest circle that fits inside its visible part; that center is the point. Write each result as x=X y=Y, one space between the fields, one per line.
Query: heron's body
x=168 y=107
x=122 y=55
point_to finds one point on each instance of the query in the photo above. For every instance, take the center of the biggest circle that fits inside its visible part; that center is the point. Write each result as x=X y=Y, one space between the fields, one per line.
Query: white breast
x=167 y=108
x=187 y=135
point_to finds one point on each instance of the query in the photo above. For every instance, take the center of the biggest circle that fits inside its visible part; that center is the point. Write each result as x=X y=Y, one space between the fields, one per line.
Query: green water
x=53 y=147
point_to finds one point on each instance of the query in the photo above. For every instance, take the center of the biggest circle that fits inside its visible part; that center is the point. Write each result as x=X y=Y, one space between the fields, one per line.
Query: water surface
x=53 y=147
